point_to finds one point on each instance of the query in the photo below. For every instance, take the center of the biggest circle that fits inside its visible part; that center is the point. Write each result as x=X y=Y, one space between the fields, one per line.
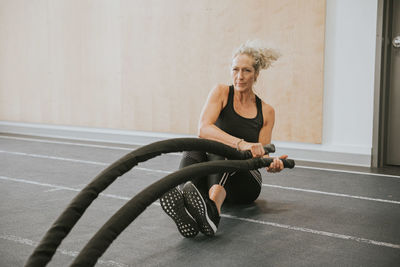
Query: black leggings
x=242 y=187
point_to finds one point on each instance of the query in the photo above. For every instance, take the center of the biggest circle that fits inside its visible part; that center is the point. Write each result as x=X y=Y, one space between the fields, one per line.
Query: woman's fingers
x=280 y=162
x=277 y=164
x=257 y=150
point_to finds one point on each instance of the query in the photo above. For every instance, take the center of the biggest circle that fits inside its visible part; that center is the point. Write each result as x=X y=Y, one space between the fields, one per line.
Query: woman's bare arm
x=212 y=108
x=216 y=101
x=266 y=136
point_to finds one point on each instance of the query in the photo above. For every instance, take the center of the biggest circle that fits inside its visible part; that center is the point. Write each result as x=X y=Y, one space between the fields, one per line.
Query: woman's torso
x=234 y=124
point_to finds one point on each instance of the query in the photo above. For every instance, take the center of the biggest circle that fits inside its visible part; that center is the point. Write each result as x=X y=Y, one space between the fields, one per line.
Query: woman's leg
x=193 y=157
x=173 y=202
x=217 y=192
x=243 y=187
x=204 y=208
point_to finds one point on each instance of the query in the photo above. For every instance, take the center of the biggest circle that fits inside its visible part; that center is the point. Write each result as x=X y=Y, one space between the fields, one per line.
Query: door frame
x=382 y=82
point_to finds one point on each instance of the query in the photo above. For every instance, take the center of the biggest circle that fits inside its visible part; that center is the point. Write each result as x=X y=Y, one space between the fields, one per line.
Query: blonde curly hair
x=263 y=56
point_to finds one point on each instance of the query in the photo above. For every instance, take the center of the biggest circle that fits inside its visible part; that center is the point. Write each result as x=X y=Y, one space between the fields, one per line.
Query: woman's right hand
x=257 y=149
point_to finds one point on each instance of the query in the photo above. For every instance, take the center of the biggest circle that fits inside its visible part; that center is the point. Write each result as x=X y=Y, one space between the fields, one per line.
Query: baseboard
x=298 y=151
x=323 y=155
x=86 y=133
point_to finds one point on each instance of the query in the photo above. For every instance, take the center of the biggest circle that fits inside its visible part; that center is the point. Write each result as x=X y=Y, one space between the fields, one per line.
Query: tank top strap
x=258 y=104
x=236 y=125
x=230 y=101
x=230 y=96
x=260 y=116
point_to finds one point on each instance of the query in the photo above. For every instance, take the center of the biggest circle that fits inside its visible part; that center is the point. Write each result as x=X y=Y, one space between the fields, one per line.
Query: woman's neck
x=245 y=96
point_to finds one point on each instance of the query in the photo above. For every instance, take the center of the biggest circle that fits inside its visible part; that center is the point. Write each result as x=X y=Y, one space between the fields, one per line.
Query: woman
x=236 y=116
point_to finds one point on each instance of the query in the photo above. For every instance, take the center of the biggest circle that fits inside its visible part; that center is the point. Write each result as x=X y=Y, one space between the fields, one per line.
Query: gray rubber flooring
x=304 y=217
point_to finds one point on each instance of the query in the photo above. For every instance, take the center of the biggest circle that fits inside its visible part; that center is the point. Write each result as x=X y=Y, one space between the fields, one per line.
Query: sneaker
x=173 y=204
x=203 y=209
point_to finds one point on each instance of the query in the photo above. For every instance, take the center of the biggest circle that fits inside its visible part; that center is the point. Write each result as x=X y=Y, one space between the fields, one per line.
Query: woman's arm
x=266 y=136
x=216 y=101
x=207 y=129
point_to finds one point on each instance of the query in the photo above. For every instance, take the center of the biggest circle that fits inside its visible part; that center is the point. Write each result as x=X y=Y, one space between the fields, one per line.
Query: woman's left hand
x=277 y=164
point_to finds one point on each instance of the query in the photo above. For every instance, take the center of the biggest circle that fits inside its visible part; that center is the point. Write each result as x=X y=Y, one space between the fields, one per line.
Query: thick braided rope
x=133 y=208
x=70 y=216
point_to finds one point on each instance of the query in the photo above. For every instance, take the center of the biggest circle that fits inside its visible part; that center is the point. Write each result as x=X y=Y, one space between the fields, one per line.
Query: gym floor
x=312 y=215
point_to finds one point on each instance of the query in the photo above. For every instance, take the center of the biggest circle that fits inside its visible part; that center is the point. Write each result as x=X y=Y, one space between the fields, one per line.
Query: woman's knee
x=192 y=157
x=242 y=188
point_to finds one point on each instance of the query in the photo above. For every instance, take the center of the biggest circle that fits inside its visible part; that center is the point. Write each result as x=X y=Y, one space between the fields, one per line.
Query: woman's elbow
x=201 y=131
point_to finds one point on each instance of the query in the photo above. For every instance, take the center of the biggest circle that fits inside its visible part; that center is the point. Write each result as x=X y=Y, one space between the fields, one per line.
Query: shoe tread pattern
x=173 y=204
x=197 y=209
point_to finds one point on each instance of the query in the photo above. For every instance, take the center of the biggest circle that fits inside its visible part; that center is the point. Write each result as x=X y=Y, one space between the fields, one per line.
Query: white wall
x=348 y=82
x=349 y=74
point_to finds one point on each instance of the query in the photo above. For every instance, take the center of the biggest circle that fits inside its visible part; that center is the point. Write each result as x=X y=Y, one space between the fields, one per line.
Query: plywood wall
x=149 y=65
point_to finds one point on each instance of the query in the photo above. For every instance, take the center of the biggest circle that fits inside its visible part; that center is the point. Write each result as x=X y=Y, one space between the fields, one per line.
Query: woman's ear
x=256 y=76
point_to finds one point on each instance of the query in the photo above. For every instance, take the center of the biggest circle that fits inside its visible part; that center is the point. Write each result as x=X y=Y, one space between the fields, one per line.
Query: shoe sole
x=173 y=205
x=197 y=208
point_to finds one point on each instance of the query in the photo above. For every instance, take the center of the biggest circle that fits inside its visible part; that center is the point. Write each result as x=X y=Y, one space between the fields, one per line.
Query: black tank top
x=238 y=126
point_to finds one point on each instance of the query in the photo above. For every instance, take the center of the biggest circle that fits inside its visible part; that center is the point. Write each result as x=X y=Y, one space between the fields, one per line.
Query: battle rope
x=65 y=222
x=133 y=208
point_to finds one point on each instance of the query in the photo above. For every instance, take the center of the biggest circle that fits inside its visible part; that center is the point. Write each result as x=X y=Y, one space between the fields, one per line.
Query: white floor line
x=317 y=232
x=76 y=160
x=54 y=187
x=179 y=154
x=168 y=172
x=81 y=144
x=68 y=143
x=346 y=171
x=332 y=194
x=284 y=226
x=31 y=243
x=55 y=158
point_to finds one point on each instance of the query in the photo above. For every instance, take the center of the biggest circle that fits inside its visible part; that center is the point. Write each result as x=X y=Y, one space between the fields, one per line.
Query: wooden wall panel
x=149 y=64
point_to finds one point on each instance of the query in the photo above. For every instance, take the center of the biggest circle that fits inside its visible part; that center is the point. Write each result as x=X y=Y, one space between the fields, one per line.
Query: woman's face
x=243 y=73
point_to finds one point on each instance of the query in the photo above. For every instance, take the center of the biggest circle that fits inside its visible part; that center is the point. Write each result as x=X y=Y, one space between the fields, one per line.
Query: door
x=393 y=114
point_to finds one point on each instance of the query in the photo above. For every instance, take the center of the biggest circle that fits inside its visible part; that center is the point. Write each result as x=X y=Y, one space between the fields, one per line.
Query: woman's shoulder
x=221 y=89
x=221 y=92
x=268 y=111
